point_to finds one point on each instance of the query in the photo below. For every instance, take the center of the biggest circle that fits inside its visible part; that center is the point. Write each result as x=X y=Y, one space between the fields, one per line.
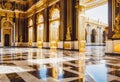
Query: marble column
x=88 y=36
x=34 y=29
x=46 y=28
x=81 y=28
x=99 y=35
x=46 y=25
x=63 y=19
x=101 y=41
x=16 y=19
x=70 y=24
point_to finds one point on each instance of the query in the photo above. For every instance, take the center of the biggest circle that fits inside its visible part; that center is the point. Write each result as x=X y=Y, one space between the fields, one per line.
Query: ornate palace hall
x=59 y=40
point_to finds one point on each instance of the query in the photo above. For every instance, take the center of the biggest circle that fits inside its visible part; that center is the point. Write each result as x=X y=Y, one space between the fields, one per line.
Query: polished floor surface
x=44 y=65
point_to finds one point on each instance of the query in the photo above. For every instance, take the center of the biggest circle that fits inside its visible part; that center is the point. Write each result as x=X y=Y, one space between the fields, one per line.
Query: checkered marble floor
x=44 y=65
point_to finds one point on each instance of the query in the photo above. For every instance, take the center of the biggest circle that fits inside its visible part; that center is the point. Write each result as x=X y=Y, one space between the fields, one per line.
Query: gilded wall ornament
x=8 y=5
x=117 y=3
x=7 y=24
x=117 y=27
x=116 y=19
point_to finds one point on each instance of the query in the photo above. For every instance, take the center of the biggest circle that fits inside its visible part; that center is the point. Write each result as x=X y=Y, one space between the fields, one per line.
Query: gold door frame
x=7 y=28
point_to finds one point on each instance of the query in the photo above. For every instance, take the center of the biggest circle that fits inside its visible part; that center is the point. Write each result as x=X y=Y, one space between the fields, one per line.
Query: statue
x=21 y=40
x=117 y=3
x=68 y=35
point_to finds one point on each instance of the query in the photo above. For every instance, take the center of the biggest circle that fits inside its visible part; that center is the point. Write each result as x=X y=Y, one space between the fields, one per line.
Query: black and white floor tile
x=44 y=65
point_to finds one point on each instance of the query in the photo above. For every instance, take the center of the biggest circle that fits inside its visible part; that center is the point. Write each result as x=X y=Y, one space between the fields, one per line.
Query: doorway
x=6 y=40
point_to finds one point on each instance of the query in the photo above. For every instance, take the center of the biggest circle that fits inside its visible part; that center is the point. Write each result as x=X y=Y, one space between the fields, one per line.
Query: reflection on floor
x=43 y=65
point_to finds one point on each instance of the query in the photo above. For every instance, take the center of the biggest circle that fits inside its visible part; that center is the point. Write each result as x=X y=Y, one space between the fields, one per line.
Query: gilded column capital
x=80 y=7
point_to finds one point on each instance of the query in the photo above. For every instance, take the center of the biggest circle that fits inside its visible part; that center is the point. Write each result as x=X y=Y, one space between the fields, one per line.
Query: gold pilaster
x=81 y=28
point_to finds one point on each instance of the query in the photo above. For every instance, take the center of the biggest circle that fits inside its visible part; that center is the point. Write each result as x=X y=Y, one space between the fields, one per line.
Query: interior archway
x=7 y=32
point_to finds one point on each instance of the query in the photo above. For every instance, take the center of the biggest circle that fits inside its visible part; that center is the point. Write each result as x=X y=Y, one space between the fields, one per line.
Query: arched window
x=40 y=28
x=55 y=14
x=54 y=26
x=30 y=31
x=40 y=18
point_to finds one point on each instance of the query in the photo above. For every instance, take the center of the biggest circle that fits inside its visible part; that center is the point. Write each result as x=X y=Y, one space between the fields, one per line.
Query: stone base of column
x=60 y=45
x=113 y=46
x=82 y=46
x=20 y=44
x=0 y=44
x=69 y=45
x=46 y=45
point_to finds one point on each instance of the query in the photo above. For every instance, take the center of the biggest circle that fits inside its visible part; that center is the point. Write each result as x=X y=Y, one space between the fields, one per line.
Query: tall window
x=40 y=28
x=54 y=25
x=30 y=31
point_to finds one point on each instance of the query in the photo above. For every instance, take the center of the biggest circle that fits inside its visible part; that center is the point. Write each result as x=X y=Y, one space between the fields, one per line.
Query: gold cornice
x=32 y=9
x=96 y=4
x=39 y=6
x=10 y=13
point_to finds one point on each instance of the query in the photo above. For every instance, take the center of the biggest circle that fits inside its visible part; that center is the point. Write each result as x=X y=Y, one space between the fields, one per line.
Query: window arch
x=40 y=18
x=30 y=23
x=55 y=14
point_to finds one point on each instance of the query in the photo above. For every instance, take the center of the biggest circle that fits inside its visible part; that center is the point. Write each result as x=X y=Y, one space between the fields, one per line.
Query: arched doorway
x=7 y=32
x=54 y=27
x=40 y=28
x=93 y=36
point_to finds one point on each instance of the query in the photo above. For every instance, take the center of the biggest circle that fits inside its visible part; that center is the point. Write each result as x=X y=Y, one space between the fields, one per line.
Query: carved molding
x=39 y=6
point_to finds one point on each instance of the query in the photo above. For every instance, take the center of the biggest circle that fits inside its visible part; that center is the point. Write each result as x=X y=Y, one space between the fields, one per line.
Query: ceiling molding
x=89 y=4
